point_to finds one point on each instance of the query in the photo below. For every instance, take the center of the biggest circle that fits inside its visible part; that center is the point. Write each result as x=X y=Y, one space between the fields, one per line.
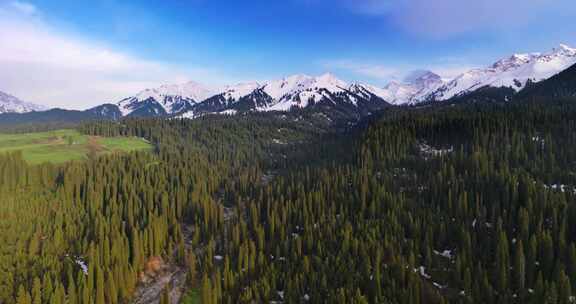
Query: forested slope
x=458 y=204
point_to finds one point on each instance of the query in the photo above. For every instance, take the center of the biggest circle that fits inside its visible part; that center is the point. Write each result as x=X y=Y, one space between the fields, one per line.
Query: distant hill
x=60 y=116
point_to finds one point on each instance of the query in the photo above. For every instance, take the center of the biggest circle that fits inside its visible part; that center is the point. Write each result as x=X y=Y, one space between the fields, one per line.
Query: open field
x=63 y=145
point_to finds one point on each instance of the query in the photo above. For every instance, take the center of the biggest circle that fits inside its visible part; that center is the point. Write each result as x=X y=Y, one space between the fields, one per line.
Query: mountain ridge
x=326 y=91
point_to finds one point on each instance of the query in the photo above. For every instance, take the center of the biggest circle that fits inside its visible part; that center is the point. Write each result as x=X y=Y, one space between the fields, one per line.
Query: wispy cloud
x=445 y=18
x=43 y=65
x=22 y=7
x=375 y=71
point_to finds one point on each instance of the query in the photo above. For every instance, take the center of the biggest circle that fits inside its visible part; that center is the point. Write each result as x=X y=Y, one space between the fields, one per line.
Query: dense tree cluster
x=470 y=204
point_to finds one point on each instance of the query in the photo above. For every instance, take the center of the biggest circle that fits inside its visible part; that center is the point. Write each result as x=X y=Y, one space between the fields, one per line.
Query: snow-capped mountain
x=561 y=85
x=233 y=93
x=513 y=72
x=298 y=91
x=167 y=99
x=223 y=99
x=302 y=90
x=280 y=88
x=414 y=88
x=327 y=91
x=11 y=104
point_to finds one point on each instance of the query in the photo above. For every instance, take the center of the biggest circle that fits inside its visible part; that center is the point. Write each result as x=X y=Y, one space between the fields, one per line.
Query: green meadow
x=64 y=145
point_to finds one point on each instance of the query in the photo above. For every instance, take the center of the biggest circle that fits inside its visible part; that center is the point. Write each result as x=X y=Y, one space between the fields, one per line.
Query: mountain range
x=11 y=104
x=190 y=100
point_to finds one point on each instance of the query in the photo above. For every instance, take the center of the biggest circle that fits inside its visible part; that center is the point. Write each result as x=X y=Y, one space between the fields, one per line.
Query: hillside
x=560 y=85
x=395 y=208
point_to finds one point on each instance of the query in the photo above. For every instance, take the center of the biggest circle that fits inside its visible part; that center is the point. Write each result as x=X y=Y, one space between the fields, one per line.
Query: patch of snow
x=422 y=271
x=228 y=112
x=429 y=151
x=82 y=265
x=446 y=254
x=437 y=285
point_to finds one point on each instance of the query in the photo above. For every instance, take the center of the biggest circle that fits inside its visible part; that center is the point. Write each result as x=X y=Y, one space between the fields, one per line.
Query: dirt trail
x=174 y=278
x=94 y=146
x=173 y=275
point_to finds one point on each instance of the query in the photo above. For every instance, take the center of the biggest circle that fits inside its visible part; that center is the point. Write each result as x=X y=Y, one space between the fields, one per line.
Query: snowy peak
x=190 y=90
x=513 y=61
x=416 y=85
x=295 y=83
x=565 y=50
x=166 y=98
x=511 y=72
x=235 y=92
x=302 y=90
x=422 y=78
x=327 y=90
x=11 y=104
x=330 y=82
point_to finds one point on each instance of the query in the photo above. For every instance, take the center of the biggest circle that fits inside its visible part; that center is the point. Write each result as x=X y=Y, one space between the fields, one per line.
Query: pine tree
x=165 y=297
x=36 y=291
x=206 y=290
x=519 y=268
x=23 y=296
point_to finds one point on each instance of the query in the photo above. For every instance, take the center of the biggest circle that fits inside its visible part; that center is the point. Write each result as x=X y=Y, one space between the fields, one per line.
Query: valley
x=287 y=152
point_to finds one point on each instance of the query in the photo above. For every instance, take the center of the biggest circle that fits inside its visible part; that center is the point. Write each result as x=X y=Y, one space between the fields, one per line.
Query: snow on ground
x=82 y=265
x=229 y=112
x=422 y=271
x=429 y=151
x=446 y=253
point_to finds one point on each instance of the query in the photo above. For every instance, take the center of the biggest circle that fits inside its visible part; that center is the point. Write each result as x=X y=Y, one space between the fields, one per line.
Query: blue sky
x=104 y=50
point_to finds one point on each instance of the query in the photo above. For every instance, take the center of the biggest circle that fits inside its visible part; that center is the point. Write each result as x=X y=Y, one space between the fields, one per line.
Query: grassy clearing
x=64 y=145
x=191 y=297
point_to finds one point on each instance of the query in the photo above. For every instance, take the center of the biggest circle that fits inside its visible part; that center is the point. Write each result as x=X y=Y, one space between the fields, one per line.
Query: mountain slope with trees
x=261 y=209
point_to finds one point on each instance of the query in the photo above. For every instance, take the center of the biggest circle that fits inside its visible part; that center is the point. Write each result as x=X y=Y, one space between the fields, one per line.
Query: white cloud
x=444 y=18
x=42 y=65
